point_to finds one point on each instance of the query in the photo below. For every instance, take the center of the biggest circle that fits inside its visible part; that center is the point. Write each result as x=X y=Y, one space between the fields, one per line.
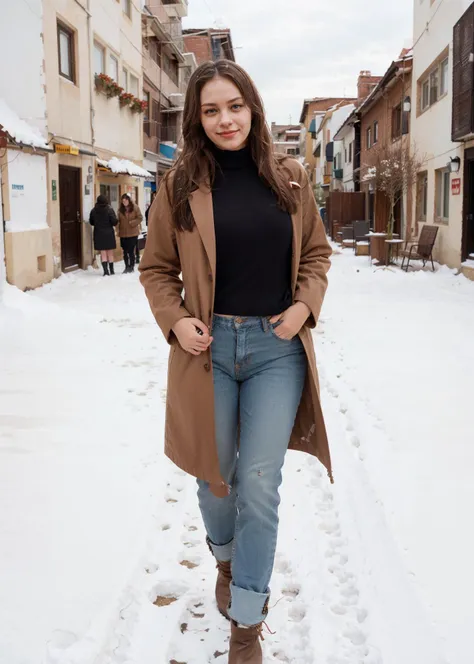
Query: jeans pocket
x=273 y=327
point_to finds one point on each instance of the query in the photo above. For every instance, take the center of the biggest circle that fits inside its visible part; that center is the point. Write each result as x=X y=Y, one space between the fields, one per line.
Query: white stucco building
x=328 y=152
x=26 y=235
x=442 y=125
x=345 y=140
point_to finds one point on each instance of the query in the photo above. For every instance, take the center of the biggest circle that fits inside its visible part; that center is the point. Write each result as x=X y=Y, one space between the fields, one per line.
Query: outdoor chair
x=348 y=236
x=422 y=250
x=361 y=230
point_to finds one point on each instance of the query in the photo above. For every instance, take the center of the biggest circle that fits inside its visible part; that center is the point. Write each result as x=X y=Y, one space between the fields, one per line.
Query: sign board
x=66 y=149
x=456 y=186
x=54 y=188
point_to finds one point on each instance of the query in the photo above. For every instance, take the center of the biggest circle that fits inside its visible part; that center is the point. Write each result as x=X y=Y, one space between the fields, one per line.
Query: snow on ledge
x=469 y=263
x=18 y=129
x=124 y=166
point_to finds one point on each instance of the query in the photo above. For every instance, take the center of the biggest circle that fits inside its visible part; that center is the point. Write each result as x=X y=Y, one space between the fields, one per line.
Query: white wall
x=2 y=245
x=28 y=206
x=431 y=131
x=21 y=54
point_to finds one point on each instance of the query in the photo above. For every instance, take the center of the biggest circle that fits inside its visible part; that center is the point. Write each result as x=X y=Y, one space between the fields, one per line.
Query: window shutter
x=463 y=80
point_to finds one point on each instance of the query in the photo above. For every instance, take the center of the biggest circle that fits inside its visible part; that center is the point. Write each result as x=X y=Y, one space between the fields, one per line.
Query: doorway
x=70 y=217
x=467 y=250
x=111 y=192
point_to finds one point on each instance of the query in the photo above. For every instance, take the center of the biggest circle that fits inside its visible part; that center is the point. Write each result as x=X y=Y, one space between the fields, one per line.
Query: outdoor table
x=378 y=249
x=391 y=245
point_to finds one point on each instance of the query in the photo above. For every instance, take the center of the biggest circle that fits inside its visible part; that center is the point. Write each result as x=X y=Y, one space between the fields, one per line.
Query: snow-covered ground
x=99 y=532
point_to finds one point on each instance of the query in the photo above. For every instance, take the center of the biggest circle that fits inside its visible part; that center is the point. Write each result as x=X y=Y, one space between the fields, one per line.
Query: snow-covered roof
x=124 y=166
x=18 y=129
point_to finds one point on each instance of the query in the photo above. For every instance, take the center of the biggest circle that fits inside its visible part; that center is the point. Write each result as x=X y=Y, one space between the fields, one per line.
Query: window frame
x=98 y=45
x=128 y=9
x=125 y=78
x=351 y=150
x=442 y=195
x=428 y=93
x=422 y=196
x=443 y=90
x=130 y=78
x=112 y=56
x=376 y=132
x=368 y=137
x=62 y=28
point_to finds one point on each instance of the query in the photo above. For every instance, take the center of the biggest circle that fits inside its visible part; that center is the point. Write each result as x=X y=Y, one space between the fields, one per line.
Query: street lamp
x=454 y=164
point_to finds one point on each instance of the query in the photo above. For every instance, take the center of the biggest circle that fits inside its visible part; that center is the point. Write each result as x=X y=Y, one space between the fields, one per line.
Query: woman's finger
x=275 y=319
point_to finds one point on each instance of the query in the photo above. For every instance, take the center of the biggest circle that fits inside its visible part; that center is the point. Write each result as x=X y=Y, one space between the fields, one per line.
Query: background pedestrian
x=130 y=219
x=103 y=219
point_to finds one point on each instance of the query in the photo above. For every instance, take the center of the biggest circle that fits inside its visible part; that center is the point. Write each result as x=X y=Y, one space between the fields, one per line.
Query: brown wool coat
x=130 y=223
x=173 y=260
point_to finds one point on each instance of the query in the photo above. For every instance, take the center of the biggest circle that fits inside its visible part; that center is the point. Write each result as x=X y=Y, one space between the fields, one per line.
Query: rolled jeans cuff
x=222 y=553
x=247 y=607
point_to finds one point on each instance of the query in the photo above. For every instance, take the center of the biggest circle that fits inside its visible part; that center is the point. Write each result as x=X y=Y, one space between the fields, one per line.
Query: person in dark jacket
x=147 y=212
x=103 y=219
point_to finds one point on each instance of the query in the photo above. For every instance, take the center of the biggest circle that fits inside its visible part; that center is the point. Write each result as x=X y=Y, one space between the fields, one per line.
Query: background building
x=286 y=139
x=25 y=191
x=209 y=44
x=442 y=125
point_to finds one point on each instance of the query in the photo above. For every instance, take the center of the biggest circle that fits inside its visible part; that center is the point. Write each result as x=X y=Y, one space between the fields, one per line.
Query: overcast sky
x=308 y=48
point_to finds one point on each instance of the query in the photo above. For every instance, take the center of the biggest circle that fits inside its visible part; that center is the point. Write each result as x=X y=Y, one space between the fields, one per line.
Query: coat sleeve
x=315 y=253
x=91 y=218
x=112 y=217
x=160 y=268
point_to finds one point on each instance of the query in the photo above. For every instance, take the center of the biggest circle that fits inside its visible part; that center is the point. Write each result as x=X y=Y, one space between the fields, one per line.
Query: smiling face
x=225 y=117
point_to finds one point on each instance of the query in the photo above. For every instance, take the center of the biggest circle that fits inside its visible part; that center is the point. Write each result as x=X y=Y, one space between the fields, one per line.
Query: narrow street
x=102 y=554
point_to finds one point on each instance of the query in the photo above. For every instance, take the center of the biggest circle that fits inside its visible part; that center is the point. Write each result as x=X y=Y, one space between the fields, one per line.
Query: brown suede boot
x=245 y=647
x=224 y=579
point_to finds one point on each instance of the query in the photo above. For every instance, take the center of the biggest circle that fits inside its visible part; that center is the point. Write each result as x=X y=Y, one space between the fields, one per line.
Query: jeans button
x=207 y=367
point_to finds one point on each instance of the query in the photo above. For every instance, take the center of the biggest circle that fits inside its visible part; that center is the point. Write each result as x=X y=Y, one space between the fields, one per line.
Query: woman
x=130 y=220
x=237 y=227
x=103 y=219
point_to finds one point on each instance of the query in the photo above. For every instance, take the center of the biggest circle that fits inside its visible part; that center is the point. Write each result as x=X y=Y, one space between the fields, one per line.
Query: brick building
x=209 y=44
x=385 y=120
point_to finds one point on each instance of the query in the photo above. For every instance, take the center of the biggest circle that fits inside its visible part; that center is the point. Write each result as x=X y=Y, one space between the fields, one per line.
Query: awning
x=19 y=130
x=124 y=167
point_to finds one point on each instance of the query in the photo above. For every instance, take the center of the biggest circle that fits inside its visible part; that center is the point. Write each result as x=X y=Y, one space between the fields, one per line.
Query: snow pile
x=103 y=557
x=124 y=166
x=18 y=129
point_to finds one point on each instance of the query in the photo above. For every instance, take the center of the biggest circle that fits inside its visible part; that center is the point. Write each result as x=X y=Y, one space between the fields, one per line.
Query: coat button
x=207 y=367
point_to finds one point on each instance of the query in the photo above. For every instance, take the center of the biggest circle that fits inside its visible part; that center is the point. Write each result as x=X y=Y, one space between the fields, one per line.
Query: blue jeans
x=258 y=383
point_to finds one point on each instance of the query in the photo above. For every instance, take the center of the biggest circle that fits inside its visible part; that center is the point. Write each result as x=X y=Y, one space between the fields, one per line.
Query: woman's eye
x=237 y=106
x=210 y=111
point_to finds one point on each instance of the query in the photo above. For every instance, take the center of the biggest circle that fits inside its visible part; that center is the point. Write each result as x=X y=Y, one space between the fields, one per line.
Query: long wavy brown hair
x=196 y=164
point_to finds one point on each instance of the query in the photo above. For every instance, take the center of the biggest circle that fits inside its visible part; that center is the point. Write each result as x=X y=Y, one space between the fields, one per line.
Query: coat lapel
x=200 y=202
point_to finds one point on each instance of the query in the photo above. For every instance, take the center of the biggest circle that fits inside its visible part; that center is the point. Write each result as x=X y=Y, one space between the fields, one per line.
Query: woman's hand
x=190 y=340
x=292 y=319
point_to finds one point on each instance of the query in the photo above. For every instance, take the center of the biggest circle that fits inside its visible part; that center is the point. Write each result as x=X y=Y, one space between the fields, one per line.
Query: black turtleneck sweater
x=253 y=240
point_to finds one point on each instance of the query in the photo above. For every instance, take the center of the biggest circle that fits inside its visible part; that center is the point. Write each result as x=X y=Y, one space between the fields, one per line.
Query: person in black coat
x=103 y=219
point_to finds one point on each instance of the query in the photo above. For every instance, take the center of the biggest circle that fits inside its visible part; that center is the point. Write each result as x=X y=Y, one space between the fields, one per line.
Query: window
x=146 y=114
x=99 y=59
x=425 y=102
x=443 y=87
x=351 y=146
x=422 y=196
x=376 y=132
x=66 y=52
x=435 y=84
x=134 y=85
x=127 y=7
x=443 y=182
x=400 y=122
x=113 y=67
x=345 y=155
x=369 y=138
x=125 y=79
x=171 y=67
